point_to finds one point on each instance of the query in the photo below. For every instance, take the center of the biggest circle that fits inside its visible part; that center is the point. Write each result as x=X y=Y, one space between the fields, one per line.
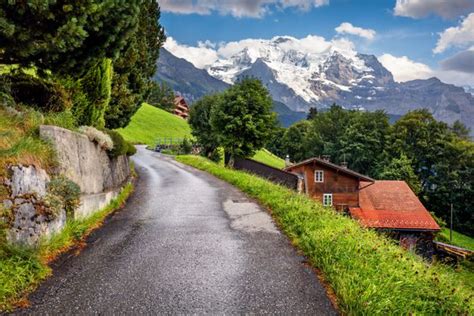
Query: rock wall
x=80 y=160
x=84 y=162
x=30 y=220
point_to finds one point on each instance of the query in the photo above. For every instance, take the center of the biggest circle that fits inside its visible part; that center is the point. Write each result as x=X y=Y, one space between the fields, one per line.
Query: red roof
x=393 y=205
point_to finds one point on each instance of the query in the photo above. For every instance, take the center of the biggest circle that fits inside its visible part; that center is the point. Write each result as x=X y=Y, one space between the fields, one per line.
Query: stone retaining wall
x=80 y=160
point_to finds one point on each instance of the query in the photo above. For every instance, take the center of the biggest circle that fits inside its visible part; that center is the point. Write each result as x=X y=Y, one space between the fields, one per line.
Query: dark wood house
x=389 y=206
x=331 y=184
x=181 y=108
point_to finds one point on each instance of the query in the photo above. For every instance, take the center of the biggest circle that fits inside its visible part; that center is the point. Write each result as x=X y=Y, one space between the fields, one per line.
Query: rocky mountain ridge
x=302 y=80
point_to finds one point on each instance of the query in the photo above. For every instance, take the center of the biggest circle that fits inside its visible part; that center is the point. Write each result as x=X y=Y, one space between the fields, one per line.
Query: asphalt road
x=185 y=243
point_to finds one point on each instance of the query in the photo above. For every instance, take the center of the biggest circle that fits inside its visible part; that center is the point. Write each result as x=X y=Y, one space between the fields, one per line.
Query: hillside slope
x=150 y=123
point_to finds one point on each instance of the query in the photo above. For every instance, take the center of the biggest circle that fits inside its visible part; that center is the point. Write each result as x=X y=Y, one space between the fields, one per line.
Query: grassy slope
x=459 y=239
x=151 y=123
x=369 y=273
x=266 y=157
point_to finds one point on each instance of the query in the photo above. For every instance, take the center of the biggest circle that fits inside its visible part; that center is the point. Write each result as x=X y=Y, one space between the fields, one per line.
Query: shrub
x=186 y=147
x=101 y=138
x=63 y=194
x=131 y=149
x=121 y=146
x=64 y=119
x=42 y=94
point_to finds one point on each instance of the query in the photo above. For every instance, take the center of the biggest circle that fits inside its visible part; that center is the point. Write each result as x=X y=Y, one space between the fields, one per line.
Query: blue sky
x=424 y=37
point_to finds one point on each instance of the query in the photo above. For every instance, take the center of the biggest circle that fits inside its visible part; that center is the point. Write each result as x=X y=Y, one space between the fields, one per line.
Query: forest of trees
x=435 y=159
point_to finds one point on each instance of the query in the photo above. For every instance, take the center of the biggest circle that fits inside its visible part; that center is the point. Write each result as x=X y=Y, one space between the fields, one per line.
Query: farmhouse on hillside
x=181 y=108
x=389 y=206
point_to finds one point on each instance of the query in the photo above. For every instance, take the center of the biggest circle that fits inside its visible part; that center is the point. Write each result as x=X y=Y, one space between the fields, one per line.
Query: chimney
x=326 y=158
x=287 y=161
x=344 y=164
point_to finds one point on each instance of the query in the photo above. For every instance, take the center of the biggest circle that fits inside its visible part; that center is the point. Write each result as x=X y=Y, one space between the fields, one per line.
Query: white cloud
x=405 y=69
x=460 y=36
x=201 y=56
x=444 y=8
x=348 y=28
x=236 y=8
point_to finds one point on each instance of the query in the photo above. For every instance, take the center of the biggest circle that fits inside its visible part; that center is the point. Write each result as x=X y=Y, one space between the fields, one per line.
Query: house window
x=327 y=199
x=318 y=176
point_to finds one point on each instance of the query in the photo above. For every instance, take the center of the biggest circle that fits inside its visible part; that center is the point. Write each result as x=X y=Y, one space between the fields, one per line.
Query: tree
x=243 y=121
x=363 y=141
x=199 y=119
x=312 y=113
x=460 y=130
x=65 y=37
x=161 y=96
x=135 y=66
x=401 y=169
x=97 y=86
x=296 y=141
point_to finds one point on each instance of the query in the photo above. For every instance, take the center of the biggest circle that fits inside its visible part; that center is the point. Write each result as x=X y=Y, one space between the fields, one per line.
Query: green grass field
x=266 y=157
x=459 y=239
x=150 y=123
x=368 y=272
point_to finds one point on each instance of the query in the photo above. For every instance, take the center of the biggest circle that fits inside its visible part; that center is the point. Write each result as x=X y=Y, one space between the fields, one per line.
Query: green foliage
x=369 y=274
x=295 y=141
x=161 y=95
x=186 y=146
x=121 y=146
x=65 y=119
x=97 y=85
x=401 y=169
x=135 y=66
x=151 y=123
x=66 y=37
x=199 y=120
x=63 y=194
x=46 y=95
x=435 y=160
x=313 y=112
x=243 y=120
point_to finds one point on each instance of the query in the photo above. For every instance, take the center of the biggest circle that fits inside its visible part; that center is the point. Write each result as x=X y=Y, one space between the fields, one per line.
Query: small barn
x=181 y=108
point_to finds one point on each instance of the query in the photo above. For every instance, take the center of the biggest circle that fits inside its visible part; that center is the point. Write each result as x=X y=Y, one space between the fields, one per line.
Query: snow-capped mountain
x=303 y=76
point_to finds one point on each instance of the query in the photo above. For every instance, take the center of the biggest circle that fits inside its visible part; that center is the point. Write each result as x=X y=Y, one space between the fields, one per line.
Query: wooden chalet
x=181 y=108
x=389 y=206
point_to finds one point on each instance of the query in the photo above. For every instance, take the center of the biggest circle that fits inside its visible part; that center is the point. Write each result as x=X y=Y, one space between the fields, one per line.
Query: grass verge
x=459 y=239
x=369 y=273
x=22 y=269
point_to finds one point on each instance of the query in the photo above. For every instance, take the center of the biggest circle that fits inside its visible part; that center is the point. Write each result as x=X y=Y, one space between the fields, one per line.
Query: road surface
x=185 y=243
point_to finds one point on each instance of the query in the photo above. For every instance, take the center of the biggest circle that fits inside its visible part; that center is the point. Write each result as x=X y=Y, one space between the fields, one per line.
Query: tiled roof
x=391 y=204
x=332 y=166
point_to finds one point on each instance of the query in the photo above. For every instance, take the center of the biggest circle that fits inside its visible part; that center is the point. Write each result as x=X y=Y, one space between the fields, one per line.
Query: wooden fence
x=278 y=176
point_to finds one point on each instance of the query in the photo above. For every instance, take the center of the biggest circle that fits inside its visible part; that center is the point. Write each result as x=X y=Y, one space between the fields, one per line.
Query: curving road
x=185 y=243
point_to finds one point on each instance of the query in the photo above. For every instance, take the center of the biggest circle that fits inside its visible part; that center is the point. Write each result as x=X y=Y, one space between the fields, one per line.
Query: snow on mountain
x=313 y=72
